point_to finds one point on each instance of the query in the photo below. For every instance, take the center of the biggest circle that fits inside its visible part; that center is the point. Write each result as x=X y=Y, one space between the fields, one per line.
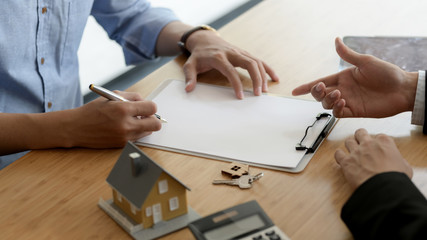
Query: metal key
x=256 y=177
x=245 y=181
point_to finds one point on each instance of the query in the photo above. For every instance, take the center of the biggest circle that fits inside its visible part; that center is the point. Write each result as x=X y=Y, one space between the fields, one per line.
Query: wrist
x=190 y=38
x=55 y=129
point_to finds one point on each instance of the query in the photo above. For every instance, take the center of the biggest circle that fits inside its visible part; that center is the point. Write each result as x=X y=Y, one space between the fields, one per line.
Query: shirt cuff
x=418 y=112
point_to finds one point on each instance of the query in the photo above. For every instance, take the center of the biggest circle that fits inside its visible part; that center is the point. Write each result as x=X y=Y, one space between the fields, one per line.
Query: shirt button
x=42 y=61
x=44 y=10
x=49 y=105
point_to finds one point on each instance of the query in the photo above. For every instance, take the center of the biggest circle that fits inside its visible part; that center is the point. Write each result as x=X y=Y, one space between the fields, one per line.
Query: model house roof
x=135 y=174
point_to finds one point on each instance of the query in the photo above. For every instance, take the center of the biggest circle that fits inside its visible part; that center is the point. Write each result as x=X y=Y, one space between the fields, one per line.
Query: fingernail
x=334 y=94
x=265 y=86
x=240 y=95
x=187 y=86
x=318 y=88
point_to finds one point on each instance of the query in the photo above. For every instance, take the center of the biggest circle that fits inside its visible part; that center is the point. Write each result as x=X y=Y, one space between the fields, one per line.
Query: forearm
x=167 y=42
x=19 y=132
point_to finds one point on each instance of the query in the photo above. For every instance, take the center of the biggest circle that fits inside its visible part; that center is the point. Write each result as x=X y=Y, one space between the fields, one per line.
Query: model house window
x=173 y=203
x=133 y=209
x=119 y=197
x=163 y=186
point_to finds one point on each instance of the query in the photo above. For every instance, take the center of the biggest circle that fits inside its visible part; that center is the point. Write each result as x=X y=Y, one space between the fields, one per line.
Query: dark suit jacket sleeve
x=387 y=206
x=425 y=106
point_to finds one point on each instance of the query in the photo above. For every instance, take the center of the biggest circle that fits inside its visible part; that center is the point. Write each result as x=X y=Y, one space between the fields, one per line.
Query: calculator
x=246 y=221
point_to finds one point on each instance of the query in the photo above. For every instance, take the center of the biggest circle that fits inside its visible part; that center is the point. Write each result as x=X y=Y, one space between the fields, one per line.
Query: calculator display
x=236 y=228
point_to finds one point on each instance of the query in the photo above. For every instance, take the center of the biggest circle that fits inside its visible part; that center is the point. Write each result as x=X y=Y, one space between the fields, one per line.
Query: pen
x=114 y=97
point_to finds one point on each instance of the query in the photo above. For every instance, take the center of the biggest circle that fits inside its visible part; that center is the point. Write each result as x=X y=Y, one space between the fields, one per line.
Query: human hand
x=369 y=156
x=209 y=51
x=371 y=88
x=103 y=123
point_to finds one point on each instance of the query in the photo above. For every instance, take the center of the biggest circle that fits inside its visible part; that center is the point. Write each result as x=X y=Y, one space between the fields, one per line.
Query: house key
x=256 y=177
x=245 y=181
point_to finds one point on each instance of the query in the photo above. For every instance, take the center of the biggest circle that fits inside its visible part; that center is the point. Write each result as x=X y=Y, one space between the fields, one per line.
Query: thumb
x=346 y=53
x=340 y=156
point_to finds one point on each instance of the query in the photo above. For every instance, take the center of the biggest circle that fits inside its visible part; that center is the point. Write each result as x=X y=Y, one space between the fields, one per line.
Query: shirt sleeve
x=387 y=206
x=134 y=24
x=419 y=105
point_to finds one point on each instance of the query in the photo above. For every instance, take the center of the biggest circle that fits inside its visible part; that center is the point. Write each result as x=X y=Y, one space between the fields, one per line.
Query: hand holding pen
x=115 y=97
x=104 y=124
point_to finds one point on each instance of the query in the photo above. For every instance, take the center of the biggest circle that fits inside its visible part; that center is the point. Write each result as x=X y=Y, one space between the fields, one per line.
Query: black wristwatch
x=185 y=36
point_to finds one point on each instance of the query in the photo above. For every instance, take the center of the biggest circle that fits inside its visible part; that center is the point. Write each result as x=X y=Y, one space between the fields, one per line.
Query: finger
x=142 y=108
x=340 y=156
x=144 y=126
x=384 y=138
x=361 y=135
x=303 y=89
x=131 y=96
x=265 y=68
x=410 y=171
x=234 y=79
x=190 y=72
x=347 y=112
x=252 y=66
x=338 y=109
x=346 y=53
x=351 y=144
x=142 y=135
x=227 y=69
x=329 y=81
x=318 y=91
x=271 y=73
x=330 y=99
x=262 y=72
x=264 y=82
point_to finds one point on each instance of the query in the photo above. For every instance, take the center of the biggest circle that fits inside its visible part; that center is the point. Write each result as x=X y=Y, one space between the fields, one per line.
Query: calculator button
x=259 y=237
x=271 y=233
x=274 y=237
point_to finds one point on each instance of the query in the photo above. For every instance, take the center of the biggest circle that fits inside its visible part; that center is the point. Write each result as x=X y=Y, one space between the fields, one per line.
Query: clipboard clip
x=322 y=135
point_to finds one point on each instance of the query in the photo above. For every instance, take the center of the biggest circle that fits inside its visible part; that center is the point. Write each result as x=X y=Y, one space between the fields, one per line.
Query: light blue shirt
x=39 y=39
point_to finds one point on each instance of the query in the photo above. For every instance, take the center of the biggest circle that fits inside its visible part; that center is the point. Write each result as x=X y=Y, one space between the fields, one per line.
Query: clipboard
x=261 y=130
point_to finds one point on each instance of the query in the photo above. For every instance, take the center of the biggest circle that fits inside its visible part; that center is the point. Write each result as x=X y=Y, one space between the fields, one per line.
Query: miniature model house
x=143 y=190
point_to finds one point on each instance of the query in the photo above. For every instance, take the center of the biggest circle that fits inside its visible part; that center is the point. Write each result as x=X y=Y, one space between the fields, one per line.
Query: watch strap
x=186 y=35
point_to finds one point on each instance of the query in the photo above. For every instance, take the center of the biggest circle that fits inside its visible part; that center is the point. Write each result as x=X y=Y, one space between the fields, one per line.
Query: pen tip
x=91 y=86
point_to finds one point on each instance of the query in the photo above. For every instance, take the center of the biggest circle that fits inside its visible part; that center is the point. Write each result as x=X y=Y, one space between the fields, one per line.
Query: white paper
x=210 y=121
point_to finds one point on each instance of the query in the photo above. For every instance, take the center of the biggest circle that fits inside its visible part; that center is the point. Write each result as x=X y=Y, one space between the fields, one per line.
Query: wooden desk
x=53 y=194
